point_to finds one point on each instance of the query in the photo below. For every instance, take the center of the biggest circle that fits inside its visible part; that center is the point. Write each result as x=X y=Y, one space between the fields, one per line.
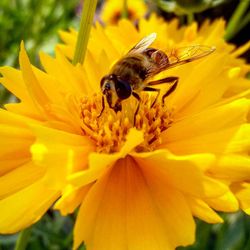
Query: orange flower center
x=109 y=129
x=118 y=15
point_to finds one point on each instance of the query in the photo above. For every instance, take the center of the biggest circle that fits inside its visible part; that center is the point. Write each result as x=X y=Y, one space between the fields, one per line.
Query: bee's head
x=115 y=89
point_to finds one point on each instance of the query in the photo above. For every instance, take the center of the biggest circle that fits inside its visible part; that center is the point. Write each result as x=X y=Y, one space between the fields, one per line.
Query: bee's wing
x=188 y=54
x=143 y=44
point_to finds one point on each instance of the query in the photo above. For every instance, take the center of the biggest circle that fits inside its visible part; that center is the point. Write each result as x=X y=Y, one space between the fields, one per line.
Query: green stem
x=190 y=17
x=125 y=9
x=236 y=19
x=182 y=20
x=23 y=239
x=244 y=22
x=88 y=12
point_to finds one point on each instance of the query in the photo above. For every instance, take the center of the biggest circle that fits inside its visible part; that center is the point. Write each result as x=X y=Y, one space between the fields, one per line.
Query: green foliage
x=37 y=24
x=185 y=7
x=233 y=234
x=54 y=232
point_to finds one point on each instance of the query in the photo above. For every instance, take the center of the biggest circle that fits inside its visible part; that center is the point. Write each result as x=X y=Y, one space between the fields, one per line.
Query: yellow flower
x=112 y=10
x=138 y=185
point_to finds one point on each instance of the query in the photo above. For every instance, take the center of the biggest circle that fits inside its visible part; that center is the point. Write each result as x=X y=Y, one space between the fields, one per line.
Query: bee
x=132 y=73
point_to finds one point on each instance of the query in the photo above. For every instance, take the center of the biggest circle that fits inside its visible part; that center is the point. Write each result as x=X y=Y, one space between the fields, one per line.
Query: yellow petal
x=25 y=109
x=68 y=38
x=232 y=140
x=91 y=63
x=226 y=116
x=16 y=139
x=212 y=93
x=50 y=85
x=15 y=119
x=201 y=210
x=193 y=79
x=36 y=92
x=61 y=153
x=13 y=81
x=241 y=50
x=112 y=10
x=122 y=211
x=19 y=178
x=225 y=203
x=99 y=163
x=99 y=34
x=215 y=32
x=71 y=198
x=185 y=173
x=191 y=33
x=225 y=168
x=25 y=207
x=242 y=192
x=56 y=72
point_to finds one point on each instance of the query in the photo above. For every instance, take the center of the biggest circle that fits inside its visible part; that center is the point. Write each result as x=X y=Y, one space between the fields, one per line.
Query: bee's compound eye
x=103 y=81
x=107 y=86
x=123 y=89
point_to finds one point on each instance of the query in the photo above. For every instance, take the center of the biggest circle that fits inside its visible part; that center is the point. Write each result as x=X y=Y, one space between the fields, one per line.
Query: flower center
x=118 y=14
x=109 y=129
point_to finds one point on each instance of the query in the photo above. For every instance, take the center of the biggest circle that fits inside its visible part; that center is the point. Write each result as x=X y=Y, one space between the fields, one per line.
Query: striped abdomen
x=133 y=69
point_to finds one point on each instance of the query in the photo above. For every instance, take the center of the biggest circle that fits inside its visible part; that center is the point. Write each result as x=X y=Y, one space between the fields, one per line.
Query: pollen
x=109 y=130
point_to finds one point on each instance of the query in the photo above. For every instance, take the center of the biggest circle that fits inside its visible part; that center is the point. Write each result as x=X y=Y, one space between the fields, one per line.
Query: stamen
x=110 y=129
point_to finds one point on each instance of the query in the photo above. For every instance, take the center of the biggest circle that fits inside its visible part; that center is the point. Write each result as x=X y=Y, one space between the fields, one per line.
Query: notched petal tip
x=99 y=163
x=133 y=139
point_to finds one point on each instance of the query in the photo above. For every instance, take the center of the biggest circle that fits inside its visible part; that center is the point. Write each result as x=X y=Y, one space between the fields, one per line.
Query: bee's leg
x=170 y=80
x=153 y=90
x=137 y=97
x=172 y=89
x=103 y=107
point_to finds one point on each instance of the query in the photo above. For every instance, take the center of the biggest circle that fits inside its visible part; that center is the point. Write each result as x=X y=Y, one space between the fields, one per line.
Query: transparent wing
x=143 y=44
x=188 y=54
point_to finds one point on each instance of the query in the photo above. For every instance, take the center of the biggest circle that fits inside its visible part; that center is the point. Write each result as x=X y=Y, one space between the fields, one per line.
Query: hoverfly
x=132 y=73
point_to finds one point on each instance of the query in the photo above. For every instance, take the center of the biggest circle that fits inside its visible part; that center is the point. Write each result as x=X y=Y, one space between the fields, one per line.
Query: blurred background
x=38 y=23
